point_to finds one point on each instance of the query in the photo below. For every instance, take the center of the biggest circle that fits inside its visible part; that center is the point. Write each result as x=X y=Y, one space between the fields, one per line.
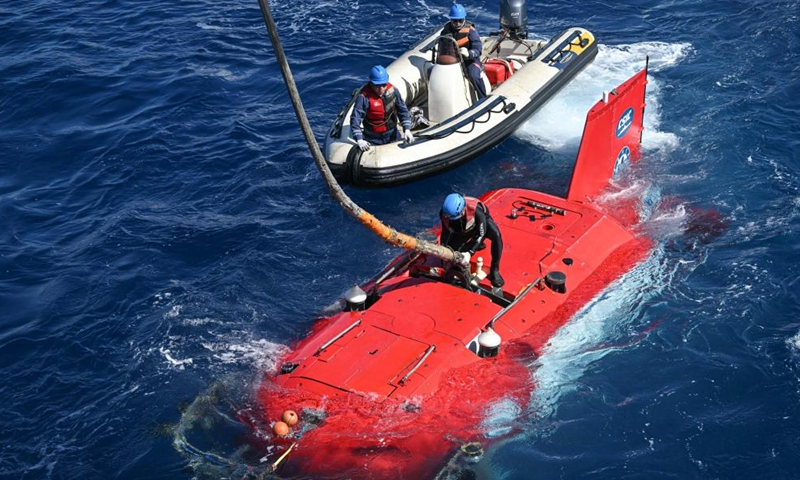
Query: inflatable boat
x=520 y=76
x=399 y=383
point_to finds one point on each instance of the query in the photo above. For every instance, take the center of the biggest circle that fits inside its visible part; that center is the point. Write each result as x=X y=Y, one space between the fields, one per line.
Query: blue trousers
x=388 y=136
x=474 y=69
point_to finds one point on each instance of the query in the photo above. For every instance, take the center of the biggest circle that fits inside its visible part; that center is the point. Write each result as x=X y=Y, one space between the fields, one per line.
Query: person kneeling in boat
x=378 y=105
x=465 y=224
x=469 y=45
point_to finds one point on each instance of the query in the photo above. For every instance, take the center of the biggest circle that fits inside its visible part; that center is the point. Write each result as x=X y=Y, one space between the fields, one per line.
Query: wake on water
x=559 y=124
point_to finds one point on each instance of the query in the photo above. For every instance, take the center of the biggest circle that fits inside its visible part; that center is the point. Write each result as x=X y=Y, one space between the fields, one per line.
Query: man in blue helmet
x=465 y=224
x=378 y=106
x=469 y=45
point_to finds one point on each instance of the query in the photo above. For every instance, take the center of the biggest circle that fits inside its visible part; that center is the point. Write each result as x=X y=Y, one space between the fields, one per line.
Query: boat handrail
x=563 y=48
x=486 y=106
x=514 y=302
x=452 y=54
x=337 y=337
x=418 y=364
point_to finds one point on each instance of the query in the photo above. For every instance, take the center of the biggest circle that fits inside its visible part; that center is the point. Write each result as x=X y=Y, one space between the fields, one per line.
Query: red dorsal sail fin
x=611 y=137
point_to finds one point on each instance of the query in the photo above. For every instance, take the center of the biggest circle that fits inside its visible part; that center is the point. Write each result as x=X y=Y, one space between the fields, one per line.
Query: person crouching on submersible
x=465 y=223
x=378 y=105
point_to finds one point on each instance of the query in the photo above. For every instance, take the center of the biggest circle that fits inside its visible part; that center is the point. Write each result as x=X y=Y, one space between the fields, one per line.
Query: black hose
x=388 y=234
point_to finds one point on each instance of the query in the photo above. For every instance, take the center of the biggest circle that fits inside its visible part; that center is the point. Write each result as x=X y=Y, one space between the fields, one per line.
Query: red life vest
x=381 y=113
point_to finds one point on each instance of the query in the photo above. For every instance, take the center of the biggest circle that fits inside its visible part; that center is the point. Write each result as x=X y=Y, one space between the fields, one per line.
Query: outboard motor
x=514 y=18
x=448 y=88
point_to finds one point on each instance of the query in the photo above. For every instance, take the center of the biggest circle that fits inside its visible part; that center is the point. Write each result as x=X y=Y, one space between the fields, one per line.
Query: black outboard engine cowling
x=514 y=18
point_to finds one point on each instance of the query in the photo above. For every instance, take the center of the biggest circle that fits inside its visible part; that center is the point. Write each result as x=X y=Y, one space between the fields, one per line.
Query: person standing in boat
x=469 y=45
x=378 y=107
x=465 y=224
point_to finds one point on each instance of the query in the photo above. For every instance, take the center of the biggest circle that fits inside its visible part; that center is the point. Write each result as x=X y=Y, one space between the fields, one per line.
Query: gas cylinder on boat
x=448 y=92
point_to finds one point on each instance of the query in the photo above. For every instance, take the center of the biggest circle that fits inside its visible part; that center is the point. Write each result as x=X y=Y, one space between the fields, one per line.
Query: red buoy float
x=281 y=429
x=289 y=417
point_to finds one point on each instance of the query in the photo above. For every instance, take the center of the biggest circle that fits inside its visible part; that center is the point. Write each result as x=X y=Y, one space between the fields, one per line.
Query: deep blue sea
x=165 y=231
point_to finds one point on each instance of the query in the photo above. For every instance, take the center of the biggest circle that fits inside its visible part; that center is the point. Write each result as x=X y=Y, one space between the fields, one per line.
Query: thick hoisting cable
x=387 y=233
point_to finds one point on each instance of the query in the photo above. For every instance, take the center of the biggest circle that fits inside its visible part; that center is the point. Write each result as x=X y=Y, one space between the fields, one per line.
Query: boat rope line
x=488 y=108
x=385 y=232
x=488 y=117
x=213 y=405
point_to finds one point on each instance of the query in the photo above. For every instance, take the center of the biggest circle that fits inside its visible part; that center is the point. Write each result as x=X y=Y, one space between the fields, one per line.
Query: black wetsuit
x=467 y=233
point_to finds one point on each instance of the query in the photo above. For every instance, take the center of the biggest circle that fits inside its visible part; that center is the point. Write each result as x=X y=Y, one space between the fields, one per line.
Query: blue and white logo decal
x=625 y=122
x=623 y=157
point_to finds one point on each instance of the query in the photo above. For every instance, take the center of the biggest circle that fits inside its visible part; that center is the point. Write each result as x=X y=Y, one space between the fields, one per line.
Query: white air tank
x=448 y=92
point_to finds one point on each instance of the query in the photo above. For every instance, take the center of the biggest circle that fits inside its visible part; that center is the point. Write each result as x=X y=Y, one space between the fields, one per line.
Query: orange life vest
x=461 y=35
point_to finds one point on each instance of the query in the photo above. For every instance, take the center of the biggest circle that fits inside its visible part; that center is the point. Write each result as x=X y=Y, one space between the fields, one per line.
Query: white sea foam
x=174 y=311
x=260 y=353
x=794 y=343
x=180 y=364
x=500 y=417
x=220 y=350
x=559 y=124
x=580 y=343
x=209 y=342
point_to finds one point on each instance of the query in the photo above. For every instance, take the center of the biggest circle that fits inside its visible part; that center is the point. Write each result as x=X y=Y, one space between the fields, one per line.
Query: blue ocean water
x=165 y=230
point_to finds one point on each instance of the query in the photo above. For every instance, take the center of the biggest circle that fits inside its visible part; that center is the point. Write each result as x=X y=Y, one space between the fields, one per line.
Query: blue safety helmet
x=453 y=206
x=378 y=75
x=458 y=12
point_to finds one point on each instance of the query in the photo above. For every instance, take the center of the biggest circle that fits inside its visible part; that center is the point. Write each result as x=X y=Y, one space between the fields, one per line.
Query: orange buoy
x=290 y=418
x=281 y=429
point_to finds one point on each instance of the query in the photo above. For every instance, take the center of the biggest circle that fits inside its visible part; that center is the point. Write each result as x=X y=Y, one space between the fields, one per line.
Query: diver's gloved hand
x=408 y=136
x=363 y=145
x=463 y=258
x=464 y=52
